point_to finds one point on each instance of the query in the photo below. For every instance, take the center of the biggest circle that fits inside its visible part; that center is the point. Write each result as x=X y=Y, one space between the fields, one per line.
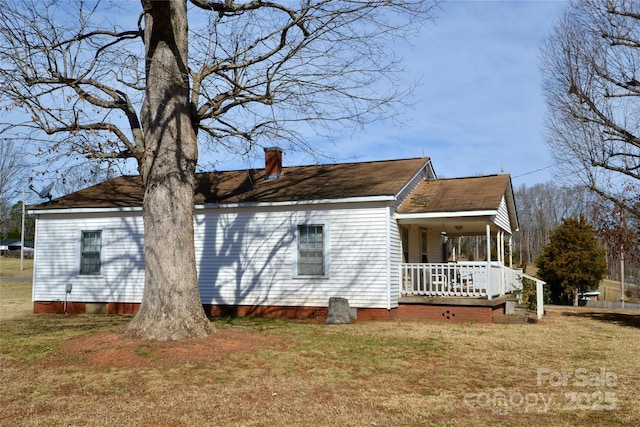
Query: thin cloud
x=479 y=108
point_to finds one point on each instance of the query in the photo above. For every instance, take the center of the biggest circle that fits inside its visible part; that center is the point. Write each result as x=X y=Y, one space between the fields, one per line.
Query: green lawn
x=11 y=267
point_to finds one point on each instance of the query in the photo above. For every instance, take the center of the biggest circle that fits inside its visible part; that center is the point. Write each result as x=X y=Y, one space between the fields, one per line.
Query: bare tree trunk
x=306 y=61
x=171 y=308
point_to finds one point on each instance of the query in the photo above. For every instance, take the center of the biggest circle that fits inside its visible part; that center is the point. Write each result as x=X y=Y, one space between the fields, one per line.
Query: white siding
x=502 y=218
x=58 y=258
x=245 y=257
x=434 y=244
x=414 y=244
x=395 y=258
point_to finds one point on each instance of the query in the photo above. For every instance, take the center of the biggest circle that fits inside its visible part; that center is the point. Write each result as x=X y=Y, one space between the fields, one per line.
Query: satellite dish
x=45 y=193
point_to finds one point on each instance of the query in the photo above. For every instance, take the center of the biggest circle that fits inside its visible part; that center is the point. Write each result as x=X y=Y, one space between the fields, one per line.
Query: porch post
x=510 y=250
x=500 y=251
x=539 y=298
x=488 y=230
x=501 y=262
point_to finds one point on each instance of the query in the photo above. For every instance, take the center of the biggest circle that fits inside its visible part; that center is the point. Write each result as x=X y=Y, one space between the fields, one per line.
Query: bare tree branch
x=95 y=81
x=593 y=97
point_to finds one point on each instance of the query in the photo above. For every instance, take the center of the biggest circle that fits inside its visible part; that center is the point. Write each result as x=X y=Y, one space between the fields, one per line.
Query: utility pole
x=622 y=277
x=622 y=234
x=22 y=237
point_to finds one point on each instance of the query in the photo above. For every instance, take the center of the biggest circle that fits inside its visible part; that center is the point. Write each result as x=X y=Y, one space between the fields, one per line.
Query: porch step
x=521 y=317
x=503 y=319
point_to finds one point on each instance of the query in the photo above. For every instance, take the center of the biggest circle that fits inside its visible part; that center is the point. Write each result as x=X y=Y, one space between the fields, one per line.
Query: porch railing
x=466 y=279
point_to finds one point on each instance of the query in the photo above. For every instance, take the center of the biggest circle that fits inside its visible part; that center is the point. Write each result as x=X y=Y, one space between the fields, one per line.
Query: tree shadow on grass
x=623 y=319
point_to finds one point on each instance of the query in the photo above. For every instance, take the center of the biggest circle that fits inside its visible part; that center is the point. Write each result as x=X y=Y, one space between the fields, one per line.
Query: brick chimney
x=272 y=162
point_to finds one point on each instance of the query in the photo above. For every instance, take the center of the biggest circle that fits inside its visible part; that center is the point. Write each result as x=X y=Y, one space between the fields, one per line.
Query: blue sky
x=479 y=107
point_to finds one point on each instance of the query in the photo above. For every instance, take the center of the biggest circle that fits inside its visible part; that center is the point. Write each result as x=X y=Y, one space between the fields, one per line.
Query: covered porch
x=435 y=219
x=459 y=279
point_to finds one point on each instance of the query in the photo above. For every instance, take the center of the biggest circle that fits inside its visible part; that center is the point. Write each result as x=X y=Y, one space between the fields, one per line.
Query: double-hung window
x=311 y=250
x=90 y=253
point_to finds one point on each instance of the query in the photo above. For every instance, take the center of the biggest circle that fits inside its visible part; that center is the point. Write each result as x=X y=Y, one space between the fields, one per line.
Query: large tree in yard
x=184 y=76
x=572 y=262
x=591 y=66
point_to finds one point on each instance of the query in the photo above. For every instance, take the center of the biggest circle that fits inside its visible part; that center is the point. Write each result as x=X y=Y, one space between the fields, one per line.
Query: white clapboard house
x=282 y=241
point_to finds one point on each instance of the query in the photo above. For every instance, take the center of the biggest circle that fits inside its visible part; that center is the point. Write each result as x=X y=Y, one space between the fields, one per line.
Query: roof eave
x=199 y=206
x=511 y=207
x=401 y=217
x=426 y=164
x=363 y=199
x=83 y=210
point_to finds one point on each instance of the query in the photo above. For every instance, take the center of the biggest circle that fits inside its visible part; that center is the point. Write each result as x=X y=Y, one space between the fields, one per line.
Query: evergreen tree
x=11 y=225
x=572 y=262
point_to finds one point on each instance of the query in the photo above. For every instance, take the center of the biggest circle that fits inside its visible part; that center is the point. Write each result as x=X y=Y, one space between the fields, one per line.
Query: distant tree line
x=542 y=209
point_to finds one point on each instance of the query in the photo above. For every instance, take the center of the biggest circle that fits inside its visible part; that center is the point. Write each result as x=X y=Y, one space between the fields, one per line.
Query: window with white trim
x=90 y=253
x=311 y=250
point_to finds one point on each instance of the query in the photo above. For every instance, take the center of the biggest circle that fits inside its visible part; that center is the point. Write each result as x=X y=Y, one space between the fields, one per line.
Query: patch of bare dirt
x=113 y=350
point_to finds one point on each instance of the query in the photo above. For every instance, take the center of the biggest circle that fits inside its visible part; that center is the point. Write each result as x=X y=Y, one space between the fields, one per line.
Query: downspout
x=510 y=250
